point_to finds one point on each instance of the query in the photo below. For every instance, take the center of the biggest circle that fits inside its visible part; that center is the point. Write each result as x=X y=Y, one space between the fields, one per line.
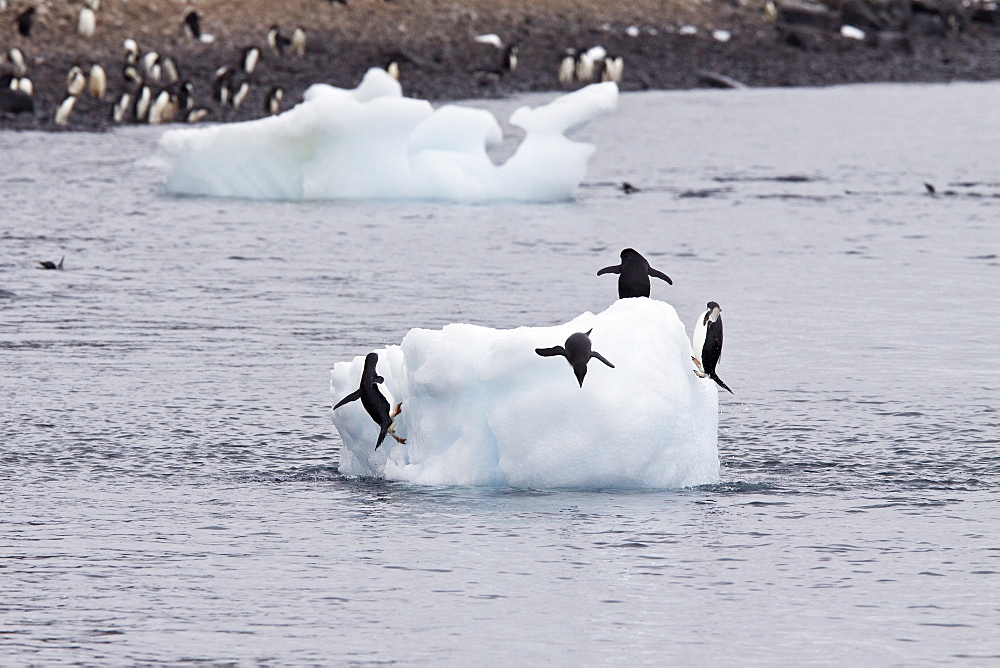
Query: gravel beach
x=664 y=45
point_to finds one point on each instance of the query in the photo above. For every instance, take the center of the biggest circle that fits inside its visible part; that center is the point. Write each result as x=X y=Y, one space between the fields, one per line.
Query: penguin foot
x=700 y=374
x=697 y=363
x=392 y=427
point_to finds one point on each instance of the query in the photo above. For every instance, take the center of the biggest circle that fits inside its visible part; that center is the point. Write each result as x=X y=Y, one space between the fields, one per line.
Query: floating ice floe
x=480 y=407
x=373 y=143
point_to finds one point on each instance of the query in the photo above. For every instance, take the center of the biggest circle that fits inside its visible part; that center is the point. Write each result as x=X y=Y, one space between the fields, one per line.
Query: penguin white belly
x=698 y=337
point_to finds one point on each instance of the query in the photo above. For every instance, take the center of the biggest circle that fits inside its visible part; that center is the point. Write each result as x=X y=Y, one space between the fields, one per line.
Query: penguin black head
x=712 y=305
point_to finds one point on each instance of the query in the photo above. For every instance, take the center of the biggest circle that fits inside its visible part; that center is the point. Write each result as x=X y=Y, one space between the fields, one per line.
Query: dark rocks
x=16 y=102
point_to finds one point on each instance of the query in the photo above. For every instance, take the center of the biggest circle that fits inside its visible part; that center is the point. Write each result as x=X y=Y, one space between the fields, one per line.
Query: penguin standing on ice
x=633 y=275
x=707 y=343
x=577 y=352
x=374 y=401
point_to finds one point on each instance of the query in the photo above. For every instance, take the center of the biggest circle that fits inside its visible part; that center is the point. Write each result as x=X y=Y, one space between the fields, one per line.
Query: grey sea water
x=168 y=469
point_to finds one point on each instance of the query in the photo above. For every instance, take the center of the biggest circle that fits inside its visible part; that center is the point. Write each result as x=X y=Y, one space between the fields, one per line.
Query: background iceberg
x=373 y=143
x=481 y=408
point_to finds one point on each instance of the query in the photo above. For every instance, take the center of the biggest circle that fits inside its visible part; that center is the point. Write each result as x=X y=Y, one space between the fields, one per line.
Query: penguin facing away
x=707 y=343
x=633 y=274
x=374 y=401
x=24 y=21
x=577 y=351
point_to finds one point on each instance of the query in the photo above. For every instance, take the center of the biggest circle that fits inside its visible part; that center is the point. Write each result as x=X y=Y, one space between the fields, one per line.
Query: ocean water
x=168 y=469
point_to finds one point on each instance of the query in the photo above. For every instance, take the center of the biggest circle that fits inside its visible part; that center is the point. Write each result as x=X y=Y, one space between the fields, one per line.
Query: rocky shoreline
x=663 y=46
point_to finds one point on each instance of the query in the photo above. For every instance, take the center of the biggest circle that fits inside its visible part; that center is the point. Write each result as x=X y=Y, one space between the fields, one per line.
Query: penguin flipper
x=656 y=273
x=616 y=269
x=554 y=351
x=595 y=354
x=721 y=384
x=349 y=398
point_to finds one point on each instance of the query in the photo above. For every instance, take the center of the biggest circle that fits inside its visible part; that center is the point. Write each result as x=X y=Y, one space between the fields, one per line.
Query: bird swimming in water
x=707 y=343
x=634 y=273
x=49 y=264
x=577 y=351
x=374 y=401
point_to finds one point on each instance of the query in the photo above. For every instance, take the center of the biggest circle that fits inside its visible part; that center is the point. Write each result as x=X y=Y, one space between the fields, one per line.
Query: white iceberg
x=373 y=143
x=480 y=407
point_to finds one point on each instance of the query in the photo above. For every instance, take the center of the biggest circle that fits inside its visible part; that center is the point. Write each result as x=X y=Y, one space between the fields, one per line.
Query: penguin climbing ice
x=374 y=401
x=707 y=343
x=577 y=352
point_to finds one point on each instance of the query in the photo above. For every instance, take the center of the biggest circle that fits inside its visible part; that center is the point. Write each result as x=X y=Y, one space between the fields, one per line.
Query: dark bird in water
x=374 y=401
x=628 y=188
x=633 y=275
x=49 y=264
x=577 y=352
x=930 y=188
x=24 y=20
x=192 y=23
x=707 y=343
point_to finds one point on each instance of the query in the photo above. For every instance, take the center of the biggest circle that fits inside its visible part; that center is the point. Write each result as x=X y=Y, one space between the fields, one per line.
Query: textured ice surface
x=480 y=407
x=373 y=143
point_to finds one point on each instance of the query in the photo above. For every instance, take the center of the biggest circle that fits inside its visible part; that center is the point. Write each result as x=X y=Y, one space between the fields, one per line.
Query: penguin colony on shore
x=154 y=90
x=633 y=272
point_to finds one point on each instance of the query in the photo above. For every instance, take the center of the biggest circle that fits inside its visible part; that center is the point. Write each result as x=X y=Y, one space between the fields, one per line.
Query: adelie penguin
x=24 y=21
x=374 y=401
x=577 y=351
x=707 y=343
x=49 y=264
x=633 y=275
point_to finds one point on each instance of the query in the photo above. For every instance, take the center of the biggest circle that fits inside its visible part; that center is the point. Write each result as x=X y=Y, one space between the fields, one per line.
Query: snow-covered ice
x=373 y=143
x=480 y=407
